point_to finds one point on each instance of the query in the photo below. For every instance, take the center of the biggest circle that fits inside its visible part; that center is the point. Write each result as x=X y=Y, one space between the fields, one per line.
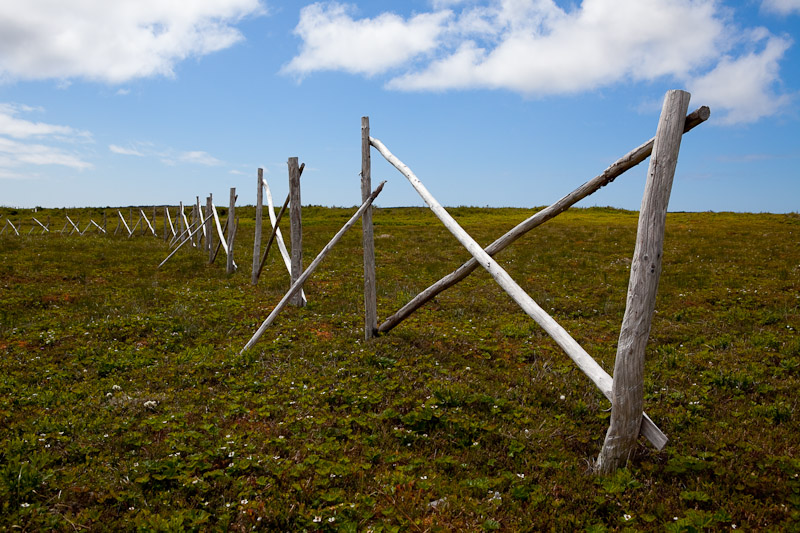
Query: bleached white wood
x=574 y=350
x=44 y=228
x=310 y=270
x=75 y=228
x=183 y=216
x=278 y=236
x=219 y=229
x=182 y=243
x=98 y=226
x=626 y=162
x=171 y=225
x=125 y=224
x=628 y=388
x=202 y=216
x=13 y=226
x=150 y=226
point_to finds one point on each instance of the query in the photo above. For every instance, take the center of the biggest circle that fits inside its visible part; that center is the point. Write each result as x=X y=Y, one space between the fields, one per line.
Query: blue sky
x=490 y=102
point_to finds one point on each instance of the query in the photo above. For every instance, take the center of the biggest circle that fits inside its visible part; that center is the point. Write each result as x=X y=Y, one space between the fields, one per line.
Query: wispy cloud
x=199 y=158
x=25 y=144
x=539 y=48
x=782 y=7
x=124 y=151
x=115 y=41
x=167 y=156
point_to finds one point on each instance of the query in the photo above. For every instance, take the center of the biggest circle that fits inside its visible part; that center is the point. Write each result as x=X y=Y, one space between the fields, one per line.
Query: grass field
x=124 y=403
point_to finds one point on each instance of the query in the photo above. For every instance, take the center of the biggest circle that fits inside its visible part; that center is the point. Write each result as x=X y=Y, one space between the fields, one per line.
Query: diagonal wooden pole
x=574 y=350
x=296 y=286
x=626 y=162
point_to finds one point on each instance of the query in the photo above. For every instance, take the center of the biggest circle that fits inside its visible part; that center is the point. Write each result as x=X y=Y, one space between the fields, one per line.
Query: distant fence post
x=257 y=239
x=627 y=401
x=209 y=229
x=166 y=218
x=231 y=268
x=296 y=226
x=370 y=293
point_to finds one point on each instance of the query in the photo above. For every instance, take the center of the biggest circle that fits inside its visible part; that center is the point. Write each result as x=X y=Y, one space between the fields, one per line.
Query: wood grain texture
x=628 y=386
x=296 y=226
x=370 y=292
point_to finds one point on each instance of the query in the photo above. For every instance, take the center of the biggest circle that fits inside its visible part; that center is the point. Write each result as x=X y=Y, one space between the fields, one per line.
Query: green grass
x=124 y=403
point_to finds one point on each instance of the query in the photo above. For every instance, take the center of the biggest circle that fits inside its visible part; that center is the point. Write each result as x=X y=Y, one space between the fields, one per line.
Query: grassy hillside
x=125 y=404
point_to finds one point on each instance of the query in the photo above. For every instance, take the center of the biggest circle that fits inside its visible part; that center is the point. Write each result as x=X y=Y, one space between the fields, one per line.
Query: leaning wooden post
x=296 y=285
x=296 y=227
x=628 y=386
x=259 y=214
x=370 y=293
x=209 y=230
x=230 y=268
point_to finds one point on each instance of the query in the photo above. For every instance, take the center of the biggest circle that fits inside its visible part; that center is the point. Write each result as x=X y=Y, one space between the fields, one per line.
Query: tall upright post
x=259 y=214
x=166 y=228
x=180 y=219
x=370 y=293
x=154 y=221
x=296 y=226
x=627 y=399
x=231 y=268
x=209 y=229
x=104 y=222
x=200 y=234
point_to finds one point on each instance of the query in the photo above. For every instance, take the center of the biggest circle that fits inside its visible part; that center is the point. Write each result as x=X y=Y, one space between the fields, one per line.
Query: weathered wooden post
x=181 y=218
x=209 y=229
x=202 y=233
x=166 y=217
x=628 y=386
x=296 y=226
x=105 y=229
x=230 y=269
x=259 y=214
x=370 y=293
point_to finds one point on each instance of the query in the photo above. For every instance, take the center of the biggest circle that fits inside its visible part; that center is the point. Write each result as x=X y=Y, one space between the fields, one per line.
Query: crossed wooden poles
x=625 y=390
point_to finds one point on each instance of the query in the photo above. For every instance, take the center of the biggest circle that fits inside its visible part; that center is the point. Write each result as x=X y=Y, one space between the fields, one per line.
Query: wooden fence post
x=209 y=229
x=370 y=293
x=296 y=227
x=628 y=386
x=259 y=214
x=230 y=268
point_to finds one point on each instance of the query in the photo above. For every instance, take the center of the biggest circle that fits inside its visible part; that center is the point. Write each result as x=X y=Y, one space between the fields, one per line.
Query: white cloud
x=742 y=86
x=14 y=154
x=19 y=128
x=18 y=153
x=538 y=48
x=124 y=151
x=113 y=41
x=782 y=7
x=333 y=40
x=200 y=158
